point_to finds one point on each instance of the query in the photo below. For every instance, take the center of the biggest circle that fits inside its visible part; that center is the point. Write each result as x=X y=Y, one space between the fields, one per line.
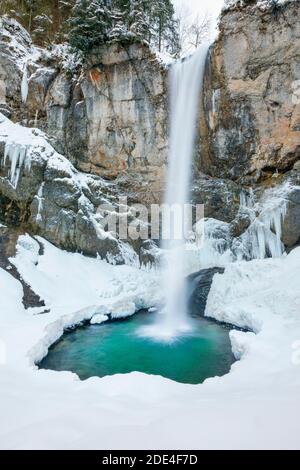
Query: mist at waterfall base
x=185 y=80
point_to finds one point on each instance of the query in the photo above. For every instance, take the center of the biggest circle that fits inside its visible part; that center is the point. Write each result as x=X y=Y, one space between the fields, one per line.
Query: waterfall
x=186 y=79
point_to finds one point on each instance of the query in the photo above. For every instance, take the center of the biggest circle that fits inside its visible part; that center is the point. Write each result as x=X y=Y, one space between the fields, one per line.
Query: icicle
x=17 y=155
x=28 y=161
x=6 y=152
x=247 y=200
x=14 y=159
x=40 y=202
x=24 y=85
x=263 y=237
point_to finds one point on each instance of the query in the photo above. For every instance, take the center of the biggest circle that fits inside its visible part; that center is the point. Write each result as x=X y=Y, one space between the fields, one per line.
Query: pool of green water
x=117 y=347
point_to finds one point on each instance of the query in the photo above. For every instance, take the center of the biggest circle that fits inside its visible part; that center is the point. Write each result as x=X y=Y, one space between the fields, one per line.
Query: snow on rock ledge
x=55 y=199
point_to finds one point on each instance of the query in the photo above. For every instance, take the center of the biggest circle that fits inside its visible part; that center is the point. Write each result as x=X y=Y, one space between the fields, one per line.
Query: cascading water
x=186 y=79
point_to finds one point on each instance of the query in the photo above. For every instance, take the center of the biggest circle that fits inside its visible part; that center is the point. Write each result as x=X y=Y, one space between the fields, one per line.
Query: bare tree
x=192 y=30
x=199 y=30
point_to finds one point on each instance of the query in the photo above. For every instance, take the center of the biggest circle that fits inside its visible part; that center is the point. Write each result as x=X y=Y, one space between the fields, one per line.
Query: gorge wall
x=109 y=117
x=251 y=125
x=113 y=121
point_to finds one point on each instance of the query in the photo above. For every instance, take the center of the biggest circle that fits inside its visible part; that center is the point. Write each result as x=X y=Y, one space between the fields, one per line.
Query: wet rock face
x=38 y=85
x=51 y=198
x=251 y=125
x=113 y=120
x=220 y=197
x=291 y=223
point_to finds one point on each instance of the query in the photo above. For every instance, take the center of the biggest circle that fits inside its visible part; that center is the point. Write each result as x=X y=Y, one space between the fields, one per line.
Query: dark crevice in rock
x=41 y=247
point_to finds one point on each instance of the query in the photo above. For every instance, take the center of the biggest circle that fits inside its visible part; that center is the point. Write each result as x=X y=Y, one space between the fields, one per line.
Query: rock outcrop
x=18 y=56
x=291 y=222
x=198 y=287
x=42 y=191
x=251 y=124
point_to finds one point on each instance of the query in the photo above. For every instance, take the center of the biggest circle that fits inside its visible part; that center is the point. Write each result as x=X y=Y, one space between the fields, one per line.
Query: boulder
x=60 y=91
x=198 y=287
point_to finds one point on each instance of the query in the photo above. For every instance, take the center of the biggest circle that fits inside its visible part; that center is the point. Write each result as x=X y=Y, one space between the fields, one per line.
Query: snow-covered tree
x=99 y=21
x=87 y=23
x=164 y=25
x=119 y=30
x=90 y=24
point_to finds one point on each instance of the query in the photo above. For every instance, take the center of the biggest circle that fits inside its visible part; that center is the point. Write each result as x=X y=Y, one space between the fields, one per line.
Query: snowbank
x=90 y=287
x=261 y=4
x=23 y=145
x=255 y=406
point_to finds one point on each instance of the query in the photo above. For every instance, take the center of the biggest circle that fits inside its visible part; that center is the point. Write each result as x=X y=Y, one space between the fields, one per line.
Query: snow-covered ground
x=257 y=405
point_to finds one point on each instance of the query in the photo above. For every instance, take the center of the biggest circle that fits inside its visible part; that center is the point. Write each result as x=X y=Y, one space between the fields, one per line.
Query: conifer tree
x=139 y=23
x=119 y=30
x=164 y=25
x=90 y=24
x=44 y=19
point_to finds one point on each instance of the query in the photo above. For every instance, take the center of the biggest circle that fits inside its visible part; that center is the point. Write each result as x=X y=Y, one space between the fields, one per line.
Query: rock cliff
x=112 y=121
